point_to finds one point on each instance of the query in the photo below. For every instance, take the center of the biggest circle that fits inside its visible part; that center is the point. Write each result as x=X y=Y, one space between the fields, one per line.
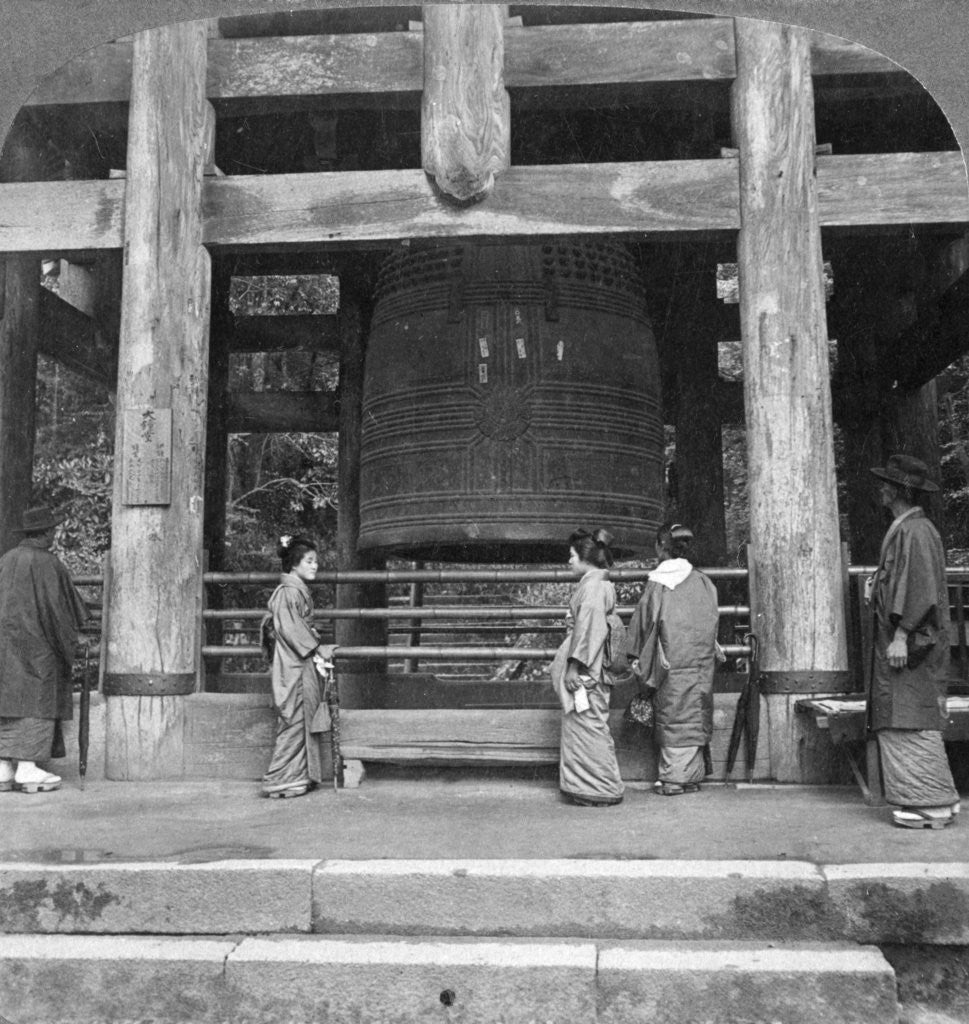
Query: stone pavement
x=474 y=898
x=457 y=814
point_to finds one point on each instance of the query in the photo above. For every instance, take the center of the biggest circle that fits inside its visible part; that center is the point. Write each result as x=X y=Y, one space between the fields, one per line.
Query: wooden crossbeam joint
x=465 y=108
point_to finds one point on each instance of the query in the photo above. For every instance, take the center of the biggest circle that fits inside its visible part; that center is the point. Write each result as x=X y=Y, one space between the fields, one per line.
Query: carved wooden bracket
x=465 y=122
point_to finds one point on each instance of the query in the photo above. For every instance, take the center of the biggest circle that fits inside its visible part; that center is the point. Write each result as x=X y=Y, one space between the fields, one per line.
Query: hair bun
x=602 y=537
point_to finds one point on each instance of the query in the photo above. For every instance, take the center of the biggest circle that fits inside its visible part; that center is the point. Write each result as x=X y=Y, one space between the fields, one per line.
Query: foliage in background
x=73 y=454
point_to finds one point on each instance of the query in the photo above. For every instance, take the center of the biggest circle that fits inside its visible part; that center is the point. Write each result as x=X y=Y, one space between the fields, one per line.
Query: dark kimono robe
x=588 y=769
x=909 y=591
x=680 y=625
x=40 y=614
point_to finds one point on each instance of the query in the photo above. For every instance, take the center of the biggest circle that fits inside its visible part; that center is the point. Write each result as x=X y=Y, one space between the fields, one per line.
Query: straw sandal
x=923 y=817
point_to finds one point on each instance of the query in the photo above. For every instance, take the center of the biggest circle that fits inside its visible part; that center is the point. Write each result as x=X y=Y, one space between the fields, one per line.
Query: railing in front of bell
x=326 y=576
x=444 y=612
x=433 y=653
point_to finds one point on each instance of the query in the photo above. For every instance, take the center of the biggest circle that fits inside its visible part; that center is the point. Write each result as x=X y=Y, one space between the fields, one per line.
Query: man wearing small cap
x=40 y=614
x=907 y=701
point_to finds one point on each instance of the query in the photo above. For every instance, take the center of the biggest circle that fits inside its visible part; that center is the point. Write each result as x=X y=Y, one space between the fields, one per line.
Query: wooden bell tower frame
x=172 y=208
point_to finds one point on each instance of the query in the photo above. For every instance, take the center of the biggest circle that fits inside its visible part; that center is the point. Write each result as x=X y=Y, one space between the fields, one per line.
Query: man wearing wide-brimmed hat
x=907 y=701
x=40 y=614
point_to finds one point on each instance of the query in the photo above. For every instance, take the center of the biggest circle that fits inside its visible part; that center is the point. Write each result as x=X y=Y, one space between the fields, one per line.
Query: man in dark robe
x=907 y=702
x=40 y=614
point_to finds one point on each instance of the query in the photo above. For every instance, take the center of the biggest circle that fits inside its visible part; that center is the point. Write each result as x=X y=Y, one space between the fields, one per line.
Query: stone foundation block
x=669 y=983
x=902 y=903
x=176 y=899
x=381 y=981
x=636 y=899
x=71 y=979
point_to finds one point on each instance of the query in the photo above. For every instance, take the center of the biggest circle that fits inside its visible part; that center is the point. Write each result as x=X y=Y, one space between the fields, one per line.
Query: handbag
x=640 y=710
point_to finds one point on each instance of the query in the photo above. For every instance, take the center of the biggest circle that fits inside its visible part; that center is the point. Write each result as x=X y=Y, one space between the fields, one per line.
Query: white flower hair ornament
x=285 y=540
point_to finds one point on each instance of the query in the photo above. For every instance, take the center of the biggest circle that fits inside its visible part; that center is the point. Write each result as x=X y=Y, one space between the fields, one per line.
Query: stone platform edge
x=874 y=903
x=60 y=979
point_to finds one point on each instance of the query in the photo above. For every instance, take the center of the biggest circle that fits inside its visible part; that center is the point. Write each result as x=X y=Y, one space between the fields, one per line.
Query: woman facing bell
x=673 y=649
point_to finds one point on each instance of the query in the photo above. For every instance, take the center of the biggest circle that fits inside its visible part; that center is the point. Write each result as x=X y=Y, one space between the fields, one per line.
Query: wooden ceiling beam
x=391 y=62
x=375 y=209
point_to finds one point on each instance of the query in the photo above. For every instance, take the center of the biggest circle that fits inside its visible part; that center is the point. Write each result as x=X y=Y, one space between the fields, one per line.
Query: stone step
x=58 y=979
x=596 y=899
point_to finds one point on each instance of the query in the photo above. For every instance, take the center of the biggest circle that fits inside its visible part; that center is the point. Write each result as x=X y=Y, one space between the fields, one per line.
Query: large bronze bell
x=511 y=395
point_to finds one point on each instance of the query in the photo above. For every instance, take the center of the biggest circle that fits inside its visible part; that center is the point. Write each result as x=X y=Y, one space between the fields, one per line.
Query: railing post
x=416 y=601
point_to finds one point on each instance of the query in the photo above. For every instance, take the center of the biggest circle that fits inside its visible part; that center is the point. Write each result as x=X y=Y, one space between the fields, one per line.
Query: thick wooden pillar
x=19 y=298
x=799 y=612
x=699 y=434
x=216 y=429
x=465 y=122
x=361 y=683
x=153 y=644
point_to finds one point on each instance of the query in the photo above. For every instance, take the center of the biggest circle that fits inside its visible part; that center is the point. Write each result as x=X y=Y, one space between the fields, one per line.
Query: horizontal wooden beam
x=374 y=209
x=275 y=412
x=391 y=62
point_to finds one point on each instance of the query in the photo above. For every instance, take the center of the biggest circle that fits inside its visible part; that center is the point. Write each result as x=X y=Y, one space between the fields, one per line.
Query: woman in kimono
x=588 y=771
x=673 y=647
x=295 y=764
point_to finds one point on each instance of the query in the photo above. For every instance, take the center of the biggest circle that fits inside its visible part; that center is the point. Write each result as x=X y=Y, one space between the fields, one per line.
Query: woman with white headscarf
x=673 y=648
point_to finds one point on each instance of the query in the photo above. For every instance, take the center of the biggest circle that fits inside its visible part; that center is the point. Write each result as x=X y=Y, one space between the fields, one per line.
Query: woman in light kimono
x=295 y=764
x=588 y=771
x=673 y=646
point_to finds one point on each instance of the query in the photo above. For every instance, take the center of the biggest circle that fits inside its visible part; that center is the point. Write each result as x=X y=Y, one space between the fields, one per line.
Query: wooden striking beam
x=391 y=62
x=70 y=337
x=276 y=412
x=465 y=110
x=376 y=208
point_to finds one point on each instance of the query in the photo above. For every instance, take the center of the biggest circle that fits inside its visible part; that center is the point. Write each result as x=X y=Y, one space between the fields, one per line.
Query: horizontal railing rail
x=433 y=653
x=473 y=575
x=444 y=612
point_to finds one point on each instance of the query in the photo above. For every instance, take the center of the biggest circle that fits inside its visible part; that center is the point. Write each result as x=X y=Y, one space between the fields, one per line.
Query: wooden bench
x=844 y=720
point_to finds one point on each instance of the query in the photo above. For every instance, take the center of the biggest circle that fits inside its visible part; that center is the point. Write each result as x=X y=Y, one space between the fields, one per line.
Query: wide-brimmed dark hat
x=40 y=518
x=907 y=471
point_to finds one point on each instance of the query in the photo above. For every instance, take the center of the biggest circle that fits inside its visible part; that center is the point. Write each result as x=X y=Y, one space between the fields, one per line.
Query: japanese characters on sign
x=147 y=457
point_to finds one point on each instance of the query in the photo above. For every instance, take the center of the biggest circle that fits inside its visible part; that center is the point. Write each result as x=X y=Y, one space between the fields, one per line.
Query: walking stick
x=752 y=710
x=331 y=694
x=84 y=722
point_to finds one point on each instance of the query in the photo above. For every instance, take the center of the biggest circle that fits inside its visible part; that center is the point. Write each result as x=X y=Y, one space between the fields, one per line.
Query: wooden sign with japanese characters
x=147 y=457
